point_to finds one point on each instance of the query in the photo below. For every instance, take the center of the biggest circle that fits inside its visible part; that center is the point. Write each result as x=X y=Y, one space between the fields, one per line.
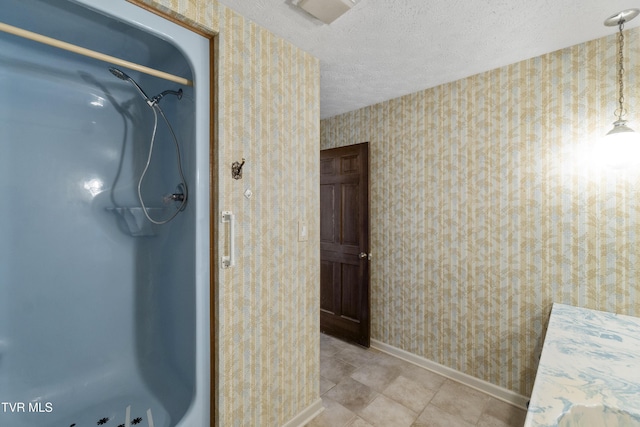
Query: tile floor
x=365 y=388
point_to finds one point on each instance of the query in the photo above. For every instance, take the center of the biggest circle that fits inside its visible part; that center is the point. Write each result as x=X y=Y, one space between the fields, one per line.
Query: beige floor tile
x=334 y=415
x=325 y=338
x=376 y=376
x=335 y=369
x=368 y=388
x=352 y=394
x=432 y=416
x=356 y=356
x=329 y=346
x=425 y=377
x=409 y=393
x=501 y=414
x=338 y=343
x=385 y=359
x=461 y=401
x=384 y=412
x=325 y=385
x=359 y=422
x=489 y=421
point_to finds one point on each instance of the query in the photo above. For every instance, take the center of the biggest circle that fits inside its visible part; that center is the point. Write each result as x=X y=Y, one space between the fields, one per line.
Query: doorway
x=344 y=243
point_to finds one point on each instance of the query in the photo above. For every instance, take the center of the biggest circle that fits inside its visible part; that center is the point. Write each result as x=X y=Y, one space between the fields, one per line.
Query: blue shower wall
x=88 y=308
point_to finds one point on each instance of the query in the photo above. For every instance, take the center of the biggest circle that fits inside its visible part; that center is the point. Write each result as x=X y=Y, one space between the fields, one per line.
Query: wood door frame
x=366 y=233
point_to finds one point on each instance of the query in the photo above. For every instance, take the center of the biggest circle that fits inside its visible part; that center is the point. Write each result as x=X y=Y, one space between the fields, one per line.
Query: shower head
x=123 y=76
x=119 y=74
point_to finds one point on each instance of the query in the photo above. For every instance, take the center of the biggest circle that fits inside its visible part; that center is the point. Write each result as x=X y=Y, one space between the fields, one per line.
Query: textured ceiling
x=382 y=49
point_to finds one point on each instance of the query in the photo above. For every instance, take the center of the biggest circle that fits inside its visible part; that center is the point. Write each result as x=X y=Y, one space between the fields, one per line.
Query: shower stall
x=104 y=224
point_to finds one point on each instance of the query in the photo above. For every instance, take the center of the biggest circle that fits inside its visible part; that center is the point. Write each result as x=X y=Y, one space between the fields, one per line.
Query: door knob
x=362 y=255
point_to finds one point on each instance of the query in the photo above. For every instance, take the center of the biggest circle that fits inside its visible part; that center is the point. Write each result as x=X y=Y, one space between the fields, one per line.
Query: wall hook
x=236 y=169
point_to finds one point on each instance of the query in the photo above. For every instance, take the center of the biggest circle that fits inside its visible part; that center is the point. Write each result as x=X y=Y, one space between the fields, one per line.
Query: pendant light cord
x=620 y=111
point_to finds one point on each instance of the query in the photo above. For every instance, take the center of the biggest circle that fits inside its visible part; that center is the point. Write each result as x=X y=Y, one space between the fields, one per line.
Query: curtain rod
x=92 y=54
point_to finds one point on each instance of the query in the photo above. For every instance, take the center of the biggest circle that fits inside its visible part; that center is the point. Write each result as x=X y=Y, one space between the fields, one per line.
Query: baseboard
x=307 y=414
x=493 y=390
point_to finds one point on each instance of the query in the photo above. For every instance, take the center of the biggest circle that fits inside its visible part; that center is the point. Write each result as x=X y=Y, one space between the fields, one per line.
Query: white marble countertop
x=589 y=359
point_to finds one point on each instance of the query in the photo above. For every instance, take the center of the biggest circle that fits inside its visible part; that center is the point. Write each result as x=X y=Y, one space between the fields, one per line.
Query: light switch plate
x=303 y=231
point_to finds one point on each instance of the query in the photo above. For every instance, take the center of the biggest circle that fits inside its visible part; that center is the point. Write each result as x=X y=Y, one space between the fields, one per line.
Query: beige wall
x=485 y=209
x=268 y=305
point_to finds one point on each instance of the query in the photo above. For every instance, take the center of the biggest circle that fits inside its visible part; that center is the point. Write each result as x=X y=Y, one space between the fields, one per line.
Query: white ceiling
x=382 y=49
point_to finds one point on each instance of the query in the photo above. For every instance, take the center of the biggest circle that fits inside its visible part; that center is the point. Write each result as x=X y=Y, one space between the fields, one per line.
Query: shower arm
x=159 y=96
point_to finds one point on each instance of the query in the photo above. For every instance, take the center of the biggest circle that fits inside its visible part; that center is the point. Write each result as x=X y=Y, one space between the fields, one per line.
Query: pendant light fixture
x=621 y=144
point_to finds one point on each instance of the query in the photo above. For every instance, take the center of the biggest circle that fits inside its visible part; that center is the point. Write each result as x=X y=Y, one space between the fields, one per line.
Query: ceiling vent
x=326 y=10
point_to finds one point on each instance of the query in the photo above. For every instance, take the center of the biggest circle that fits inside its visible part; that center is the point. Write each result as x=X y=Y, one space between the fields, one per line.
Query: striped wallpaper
x=267 y=306
x=487 y=207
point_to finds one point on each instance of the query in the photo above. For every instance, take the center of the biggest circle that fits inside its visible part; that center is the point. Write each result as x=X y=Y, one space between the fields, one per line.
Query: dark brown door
x=344 y=243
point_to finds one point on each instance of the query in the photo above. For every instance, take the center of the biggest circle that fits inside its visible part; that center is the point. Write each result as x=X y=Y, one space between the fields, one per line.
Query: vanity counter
x=589 y=359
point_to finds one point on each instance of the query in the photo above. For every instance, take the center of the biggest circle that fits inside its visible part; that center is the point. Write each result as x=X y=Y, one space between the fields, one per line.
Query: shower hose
x=156 y=109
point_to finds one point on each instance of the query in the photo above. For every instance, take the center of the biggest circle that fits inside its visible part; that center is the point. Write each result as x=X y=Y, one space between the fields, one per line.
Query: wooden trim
x=213 y=199
x=169 y=16
x=213 y=227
